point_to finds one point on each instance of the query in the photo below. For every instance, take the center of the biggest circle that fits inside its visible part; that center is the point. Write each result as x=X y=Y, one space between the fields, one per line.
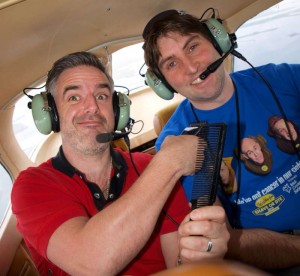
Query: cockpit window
x=27 y=135
x=270 y=37
x=126 y=65
x=5 y=189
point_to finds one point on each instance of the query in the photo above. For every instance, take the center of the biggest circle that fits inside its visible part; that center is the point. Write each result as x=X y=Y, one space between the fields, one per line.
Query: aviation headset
x=46 y=119
x=220 y=38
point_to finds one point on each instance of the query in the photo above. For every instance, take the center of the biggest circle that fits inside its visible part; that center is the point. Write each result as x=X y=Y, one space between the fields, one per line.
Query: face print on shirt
x=287 y=141
x=255 y=154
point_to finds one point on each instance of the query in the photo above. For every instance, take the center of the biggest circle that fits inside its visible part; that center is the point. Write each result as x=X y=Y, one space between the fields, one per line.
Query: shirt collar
x=60 y=163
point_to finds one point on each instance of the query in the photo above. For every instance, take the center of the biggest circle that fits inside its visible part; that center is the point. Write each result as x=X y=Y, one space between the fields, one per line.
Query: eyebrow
x=75 y=87
x=70 y=87
x=163 y=61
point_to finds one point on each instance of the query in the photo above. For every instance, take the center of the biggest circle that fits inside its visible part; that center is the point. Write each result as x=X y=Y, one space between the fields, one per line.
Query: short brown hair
x=70 y=61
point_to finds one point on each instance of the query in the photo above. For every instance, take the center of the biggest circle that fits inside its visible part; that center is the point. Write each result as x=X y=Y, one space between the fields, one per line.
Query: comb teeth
x=200 y=154
x=208 y=162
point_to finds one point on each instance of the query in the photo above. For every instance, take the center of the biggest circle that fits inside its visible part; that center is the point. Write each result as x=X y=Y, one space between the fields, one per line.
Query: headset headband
x=157 y=18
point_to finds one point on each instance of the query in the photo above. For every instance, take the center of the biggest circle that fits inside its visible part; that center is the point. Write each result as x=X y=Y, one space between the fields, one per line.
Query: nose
x=285 y=132
x=192 y=65
x=91 y=105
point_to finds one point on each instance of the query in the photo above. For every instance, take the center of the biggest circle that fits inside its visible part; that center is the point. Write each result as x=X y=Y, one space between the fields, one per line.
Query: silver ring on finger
x=209 y=245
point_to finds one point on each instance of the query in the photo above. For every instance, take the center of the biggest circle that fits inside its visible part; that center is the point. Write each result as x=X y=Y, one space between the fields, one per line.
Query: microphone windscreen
x=104 y=137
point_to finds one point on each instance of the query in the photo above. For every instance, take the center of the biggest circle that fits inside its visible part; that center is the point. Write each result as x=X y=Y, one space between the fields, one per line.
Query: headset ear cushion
x=121 y=106
x=44 y=113
x=41 y=113
x=219 y=35
x=158 y=85
x=54 y=114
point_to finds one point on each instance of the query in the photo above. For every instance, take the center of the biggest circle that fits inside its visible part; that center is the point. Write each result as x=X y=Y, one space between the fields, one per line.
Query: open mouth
x=196 y=81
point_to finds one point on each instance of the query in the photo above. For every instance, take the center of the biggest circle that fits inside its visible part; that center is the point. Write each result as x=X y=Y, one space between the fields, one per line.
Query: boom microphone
x=110 y=136
x=215 y=65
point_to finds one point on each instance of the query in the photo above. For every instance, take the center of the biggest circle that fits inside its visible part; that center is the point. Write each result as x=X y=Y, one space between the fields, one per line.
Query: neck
x=95 y=167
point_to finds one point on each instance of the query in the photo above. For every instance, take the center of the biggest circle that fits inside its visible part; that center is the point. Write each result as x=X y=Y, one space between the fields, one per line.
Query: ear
x=244 y=157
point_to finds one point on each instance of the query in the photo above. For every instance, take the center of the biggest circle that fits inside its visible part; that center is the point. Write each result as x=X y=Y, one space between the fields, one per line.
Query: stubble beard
x=84 y=144
x=201 y=101
x=218 y=91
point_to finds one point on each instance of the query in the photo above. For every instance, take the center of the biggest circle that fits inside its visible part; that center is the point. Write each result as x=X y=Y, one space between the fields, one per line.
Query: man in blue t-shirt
x=260 y=179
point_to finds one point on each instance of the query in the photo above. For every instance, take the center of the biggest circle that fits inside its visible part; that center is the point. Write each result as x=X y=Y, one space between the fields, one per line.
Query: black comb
x=208 y=162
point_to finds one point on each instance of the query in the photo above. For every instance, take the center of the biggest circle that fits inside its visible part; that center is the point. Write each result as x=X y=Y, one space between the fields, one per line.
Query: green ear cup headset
x=121 y=106
x=221 y=40
x=159 y=85
x=46 y=119
x=44 y=113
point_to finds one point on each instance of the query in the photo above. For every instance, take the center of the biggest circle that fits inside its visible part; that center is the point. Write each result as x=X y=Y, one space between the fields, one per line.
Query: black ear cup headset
x=46 y=119
x=223 y=42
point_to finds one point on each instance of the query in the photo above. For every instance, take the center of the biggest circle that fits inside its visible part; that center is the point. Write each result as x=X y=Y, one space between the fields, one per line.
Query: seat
x=120 y=143
x=162 y=116
x=22 y=264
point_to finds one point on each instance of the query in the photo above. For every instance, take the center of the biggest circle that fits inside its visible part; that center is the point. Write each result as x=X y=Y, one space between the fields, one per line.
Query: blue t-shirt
x=256 y=194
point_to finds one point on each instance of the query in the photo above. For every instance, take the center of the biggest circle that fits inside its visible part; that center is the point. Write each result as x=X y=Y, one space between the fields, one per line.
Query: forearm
x=264 y=248
x=110 y=240
x=144 y=202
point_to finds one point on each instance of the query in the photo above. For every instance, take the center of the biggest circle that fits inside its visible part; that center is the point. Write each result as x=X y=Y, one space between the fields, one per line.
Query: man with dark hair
x=184 y=56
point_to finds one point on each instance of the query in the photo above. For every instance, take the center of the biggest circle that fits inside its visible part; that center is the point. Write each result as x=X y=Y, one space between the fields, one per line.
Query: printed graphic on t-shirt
x=255 y=154
x=227 y=175
x=284 y=133
x=268 y=200
x=267 y=205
